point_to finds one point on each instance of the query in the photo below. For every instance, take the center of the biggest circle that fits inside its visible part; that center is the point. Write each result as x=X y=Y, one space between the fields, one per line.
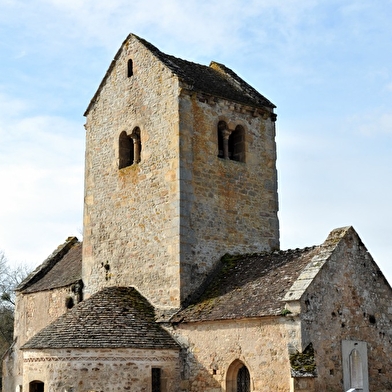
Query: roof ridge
x=48 y=264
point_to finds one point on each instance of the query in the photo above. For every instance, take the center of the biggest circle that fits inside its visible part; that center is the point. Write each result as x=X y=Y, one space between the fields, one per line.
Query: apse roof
x=116 y=317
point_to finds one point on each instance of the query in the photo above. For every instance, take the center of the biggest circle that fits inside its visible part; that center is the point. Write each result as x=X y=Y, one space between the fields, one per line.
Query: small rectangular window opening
x=156 y=380
x=130 y=68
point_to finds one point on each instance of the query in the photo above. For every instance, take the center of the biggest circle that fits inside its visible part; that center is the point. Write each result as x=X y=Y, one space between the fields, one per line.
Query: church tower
x=180 y=169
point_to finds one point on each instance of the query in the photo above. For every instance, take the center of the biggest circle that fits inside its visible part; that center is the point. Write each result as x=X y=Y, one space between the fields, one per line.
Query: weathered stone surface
x=154 y=230
x=100 y=369
x=214 y=346
x=161 y=224
x=348 y=300
x=115 y=317
x=248 y=286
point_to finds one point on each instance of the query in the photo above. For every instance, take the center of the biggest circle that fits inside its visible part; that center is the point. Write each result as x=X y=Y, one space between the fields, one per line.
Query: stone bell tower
x=180 y=169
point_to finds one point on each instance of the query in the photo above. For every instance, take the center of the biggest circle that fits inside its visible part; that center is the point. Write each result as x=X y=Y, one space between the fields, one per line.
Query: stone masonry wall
x=160 y=225
x=98 y=370
x=349 y=300
x=213 y=346
x=32 y=313
x=226 y=206
x=131 y=218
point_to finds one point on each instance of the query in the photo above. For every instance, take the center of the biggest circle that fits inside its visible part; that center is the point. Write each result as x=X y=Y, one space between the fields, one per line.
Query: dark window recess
x=129 y=148
x=130 y=68
x=36 y=386
x=221 y=127
x=69 y=303
x=155 y=380
x=125 y=150
x=243 y=380
x=231 y=143
x=237 y=145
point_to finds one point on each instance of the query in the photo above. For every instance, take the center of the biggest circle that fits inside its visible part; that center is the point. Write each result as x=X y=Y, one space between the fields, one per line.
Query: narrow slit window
x=130 y=68
x=156 y=380
x=221 y=128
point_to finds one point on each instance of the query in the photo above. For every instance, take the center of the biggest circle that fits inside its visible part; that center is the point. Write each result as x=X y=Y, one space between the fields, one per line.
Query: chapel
x=179 y=283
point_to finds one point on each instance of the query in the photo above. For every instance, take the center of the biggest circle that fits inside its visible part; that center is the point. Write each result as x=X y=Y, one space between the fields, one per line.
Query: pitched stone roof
x=116 y=317
x=248 y=286
x=62 y=268
x=216 y=80
x=259 y=285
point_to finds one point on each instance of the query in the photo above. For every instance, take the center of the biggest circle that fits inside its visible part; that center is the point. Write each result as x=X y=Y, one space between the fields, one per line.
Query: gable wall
x=33 y=312
x=226 y=206
x=131 y=234
x=213 y=346
x=349 y=300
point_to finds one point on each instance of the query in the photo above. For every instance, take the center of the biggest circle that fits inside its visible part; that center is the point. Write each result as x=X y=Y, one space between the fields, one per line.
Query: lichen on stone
x=303 y=364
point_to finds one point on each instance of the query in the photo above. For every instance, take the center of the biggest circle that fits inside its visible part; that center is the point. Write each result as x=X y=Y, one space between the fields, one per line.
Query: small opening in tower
x=221 y=128
x=237 y=144
x=129 y=148
x=125 y=150
x=130 y=68
x=69 y=303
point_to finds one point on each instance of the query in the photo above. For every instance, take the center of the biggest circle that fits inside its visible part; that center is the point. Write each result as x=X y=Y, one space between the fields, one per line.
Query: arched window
x=231 y=143
x=238 y=378
x=129 y=148
x=237 y=144
x=125 y=150
x=221 y=128
x=36 y=386
x=130 y=68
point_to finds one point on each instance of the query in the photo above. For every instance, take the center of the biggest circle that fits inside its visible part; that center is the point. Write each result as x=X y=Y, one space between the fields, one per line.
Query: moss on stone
x=303 y=363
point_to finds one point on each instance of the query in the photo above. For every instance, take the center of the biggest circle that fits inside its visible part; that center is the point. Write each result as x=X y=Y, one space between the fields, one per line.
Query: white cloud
x=321 y=62
x=41 y=176
x=371 y=123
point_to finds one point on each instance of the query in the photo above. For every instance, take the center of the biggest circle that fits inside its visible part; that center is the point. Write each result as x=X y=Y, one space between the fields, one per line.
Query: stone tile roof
x=248 y=286
x=62 y=268
x=116 y=317
x=216 y=80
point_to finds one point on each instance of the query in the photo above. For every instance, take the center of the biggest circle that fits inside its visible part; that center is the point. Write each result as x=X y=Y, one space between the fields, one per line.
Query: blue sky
x=327 y=65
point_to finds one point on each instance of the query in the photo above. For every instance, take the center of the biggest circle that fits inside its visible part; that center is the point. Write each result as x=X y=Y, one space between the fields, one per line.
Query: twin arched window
x=231 y=142
x=129 y=148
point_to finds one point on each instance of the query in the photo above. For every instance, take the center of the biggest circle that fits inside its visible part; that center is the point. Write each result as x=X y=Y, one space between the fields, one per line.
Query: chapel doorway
x=36 y=386
x=238 y=378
